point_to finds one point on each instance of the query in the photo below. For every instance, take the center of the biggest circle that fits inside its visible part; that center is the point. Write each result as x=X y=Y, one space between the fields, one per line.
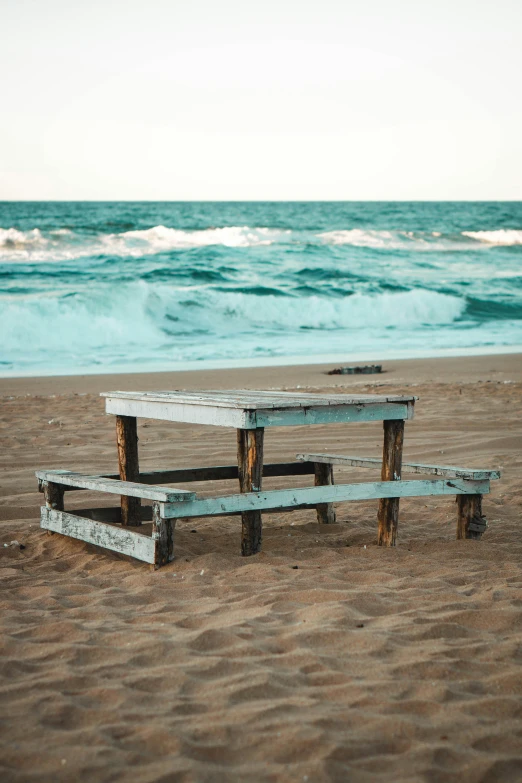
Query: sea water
x=104 y=287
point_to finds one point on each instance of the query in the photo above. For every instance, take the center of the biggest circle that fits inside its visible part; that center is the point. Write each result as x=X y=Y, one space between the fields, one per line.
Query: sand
x=323 y=658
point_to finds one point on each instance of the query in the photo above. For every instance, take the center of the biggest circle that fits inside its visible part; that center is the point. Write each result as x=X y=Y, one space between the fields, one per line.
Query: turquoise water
x=101 y=287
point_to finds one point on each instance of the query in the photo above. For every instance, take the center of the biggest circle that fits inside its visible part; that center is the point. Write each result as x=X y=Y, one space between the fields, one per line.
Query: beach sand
x=323 y=658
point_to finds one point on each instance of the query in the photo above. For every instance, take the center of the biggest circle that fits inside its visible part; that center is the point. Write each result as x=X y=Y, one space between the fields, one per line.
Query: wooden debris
x=367 y=369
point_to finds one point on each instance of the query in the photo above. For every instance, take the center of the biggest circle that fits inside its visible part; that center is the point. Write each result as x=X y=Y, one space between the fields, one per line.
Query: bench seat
x=471 y=522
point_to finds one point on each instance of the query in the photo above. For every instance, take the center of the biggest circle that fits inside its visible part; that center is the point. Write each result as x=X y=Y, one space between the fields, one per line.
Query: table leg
x=388 y=515
x=324 y=477
x=127 y=439
x=250 y=466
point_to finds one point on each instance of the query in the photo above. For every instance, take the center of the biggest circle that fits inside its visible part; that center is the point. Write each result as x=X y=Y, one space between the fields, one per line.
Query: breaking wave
x=502 y=236
x=63 y=244
x=86 y=286
x=420 y=240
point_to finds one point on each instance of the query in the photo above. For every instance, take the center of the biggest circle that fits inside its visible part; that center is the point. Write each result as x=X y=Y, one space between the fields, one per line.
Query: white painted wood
x=298 y=414
x=115 y=486
x=449 y=471
x=211 y=473
x=180 y=412
x=253 y=399
x=311 y=496
x=118 y=539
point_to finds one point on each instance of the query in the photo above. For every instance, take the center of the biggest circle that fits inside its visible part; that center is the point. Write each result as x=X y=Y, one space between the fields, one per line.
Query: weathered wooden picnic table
x=250 y=413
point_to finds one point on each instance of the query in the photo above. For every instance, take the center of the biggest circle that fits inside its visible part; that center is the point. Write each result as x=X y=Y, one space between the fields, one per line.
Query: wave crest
x=151 y=316
x=502 y=236
x=64 y=245
x=15 y=239
x=162 y=238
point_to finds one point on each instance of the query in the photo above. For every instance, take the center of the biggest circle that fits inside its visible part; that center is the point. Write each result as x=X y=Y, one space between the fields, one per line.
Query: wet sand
x=323 y=658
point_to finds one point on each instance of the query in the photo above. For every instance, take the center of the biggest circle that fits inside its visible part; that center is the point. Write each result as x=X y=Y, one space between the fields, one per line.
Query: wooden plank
x=127 y=441
x=332 y=414
x=53 y=494
x=117 y=539
x=224 y=472
x=250 y=470
x=324 y=477
x=163 y=537
x=471 y=523
x=114 y=486
x=252 y=416
x=449 y=471
x=180 y=412
x=303 y=497
x=111 y=515
x=252 y=399
x=250 y=419
x=388 y=514
x=267 y=399
x=217 y=473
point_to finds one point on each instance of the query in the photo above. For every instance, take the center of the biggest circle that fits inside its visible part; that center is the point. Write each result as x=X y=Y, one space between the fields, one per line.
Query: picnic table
x=250 y=413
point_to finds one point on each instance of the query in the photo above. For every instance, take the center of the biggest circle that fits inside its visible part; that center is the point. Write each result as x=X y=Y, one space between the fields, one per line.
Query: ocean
x=137 y=286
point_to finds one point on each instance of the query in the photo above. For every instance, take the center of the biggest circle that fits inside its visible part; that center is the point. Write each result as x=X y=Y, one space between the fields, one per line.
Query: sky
x=223 y=100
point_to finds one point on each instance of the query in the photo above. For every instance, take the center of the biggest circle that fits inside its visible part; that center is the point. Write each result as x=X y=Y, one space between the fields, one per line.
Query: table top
x=248 y=409
x=248 y=399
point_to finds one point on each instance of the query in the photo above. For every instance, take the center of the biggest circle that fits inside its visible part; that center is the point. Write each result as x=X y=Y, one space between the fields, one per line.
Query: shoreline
x=273 y=362
x=454 y=369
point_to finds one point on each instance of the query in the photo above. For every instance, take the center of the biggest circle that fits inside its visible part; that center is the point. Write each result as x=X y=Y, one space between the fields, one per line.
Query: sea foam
x=501 y=236
x=64 y=245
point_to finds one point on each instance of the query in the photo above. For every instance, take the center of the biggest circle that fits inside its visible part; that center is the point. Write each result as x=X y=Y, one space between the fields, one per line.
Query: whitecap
x=501 y=236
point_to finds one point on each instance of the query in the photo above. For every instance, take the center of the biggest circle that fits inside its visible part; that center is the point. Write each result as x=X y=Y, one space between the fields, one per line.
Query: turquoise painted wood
x=334 y=414
x=311 y=496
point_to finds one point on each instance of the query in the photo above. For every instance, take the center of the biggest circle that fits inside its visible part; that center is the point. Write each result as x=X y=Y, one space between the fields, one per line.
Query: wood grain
x=250 y=468
x=471 y=523
x=306 y=497
x=388 y=514
x=324 y=477
x=127 y=441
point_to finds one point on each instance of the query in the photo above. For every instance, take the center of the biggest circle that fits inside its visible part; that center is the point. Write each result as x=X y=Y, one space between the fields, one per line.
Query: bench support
x=250 y=467
x=127 y=440
x=163 y=536
x=471 y=522
x=388 y=515
x=324 y=477
x=53 y=494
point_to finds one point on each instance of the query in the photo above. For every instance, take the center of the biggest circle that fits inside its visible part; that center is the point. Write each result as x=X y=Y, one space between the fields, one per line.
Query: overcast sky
x=214 y=99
